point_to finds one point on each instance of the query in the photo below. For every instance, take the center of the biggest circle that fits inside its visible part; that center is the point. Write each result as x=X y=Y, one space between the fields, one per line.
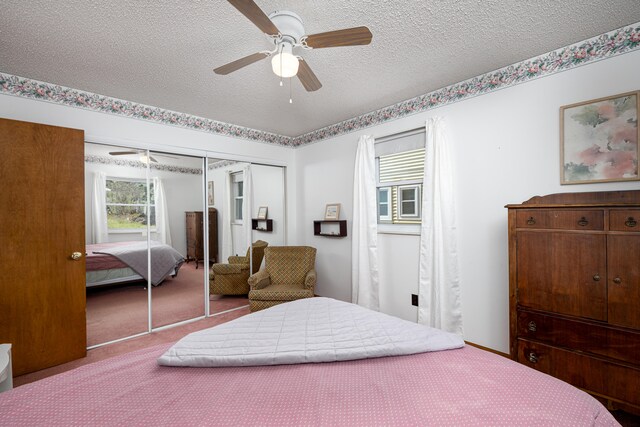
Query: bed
x=126 y=262
x=463 y=386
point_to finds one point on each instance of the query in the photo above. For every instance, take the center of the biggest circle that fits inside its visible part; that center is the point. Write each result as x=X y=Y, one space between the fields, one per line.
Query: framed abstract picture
x=599 y=140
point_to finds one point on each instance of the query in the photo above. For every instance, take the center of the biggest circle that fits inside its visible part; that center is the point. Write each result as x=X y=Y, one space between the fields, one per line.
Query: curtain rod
x=399 y=134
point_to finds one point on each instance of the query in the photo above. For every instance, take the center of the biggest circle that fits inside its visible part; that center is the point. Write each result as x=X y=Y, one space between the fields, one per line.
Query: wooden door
x=623 y=280
x=42 y=290
x=563 y=272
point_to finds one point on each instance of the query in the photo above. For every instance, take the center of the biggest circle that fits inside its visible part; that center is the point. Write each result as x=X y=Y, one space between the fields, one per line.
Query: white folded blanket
x=305 y=331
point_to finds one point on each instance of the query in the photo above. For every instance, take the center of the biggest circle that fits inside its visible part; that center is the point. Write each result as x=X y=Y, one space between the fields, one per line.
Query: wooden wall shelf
x=262 y=224
x=317 y=228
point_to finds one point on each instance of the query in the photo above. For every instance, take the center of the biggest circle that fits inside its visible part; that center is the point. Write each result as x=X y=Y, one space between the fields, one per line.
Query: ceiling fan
x=286 y=31
x=142 y=154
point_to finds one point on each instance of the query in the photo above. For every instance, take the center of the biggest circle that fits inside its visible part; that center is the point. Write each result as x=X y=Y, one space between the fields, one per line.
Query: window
x=399 y=176
x=238 y=192
x=384 y=208
x=409 y=201
x=127 y=204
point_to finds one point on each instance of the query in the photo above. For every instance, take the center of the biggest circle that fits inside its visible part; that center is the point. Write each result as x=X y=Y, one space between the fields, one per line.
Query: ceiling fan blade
x=251 y=10
x=307 y=78
x=347 y=37
x=240 y=63
x=153 y=160
x=122 y=153
x=164 y=155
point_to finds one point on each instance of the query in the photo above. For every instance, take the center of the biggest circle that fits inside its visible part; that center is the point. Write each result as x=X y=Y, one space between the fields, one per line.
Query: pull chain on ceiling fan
x=286 y=31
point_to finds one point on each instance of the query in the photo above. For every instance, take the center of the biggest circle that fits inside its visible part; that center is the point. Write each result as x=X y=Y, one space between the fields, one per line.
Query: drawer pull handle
x=532 y=326
x=631 y=222
x=617 y=280
x=531 y=221
x=583 y=221
x=533 y=358
x=596 y=277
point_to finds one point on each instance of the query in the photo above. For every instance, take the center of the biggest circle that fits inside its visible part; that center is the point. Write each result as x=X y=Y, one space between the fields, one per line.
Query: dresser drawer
x=583 y=336
x=624 y=220
x=589 y=373
x=566 y=219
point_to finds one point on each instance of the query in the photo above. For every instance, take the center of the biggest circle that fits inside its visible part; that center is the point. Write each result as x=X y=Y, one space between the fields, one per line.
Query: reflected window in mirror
x=238 y=193
x=126 y=203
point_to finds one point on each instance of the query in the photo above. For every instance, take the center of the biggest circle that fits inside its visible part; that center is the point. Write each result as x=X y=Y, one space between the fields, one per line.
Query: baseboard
x=499 y=353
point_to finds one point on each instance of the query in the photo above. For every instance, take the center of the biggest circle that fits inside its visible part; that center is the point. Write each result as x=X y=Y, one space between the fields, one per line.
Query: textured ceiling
x=162 y=53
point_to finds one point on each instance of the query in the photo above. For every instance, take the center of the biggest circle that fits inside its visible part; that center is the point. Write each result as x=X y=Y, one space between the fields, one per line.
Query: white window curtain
x=227 y=238
x=439 y=276
x=364 y=243
x=163 y=230
x=247 y=206
x=99 y=227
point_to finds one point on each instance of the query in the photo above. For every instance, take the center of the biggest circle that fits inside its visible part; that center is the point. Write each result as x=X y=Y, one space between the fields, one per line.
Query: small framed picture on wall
x=332 y=211
x=262 y=212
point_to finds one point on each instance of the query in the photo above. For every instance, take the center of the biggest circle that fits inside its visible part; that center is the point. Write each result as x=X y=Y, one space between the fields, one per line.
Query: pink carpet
x=165 y=336
x=120 y=311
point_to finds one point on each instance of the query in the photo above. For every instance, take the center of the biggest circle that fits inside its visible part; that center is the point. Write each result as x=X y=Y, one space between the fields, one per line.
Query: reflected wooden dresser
x=195 y=236
x=574 y=291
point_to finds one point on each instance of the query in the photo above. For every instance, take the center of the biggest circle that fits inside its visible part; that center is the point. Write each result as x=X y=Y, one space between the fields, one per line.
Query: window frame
x=389 y=217
x=395 y=221
x=416 y=201
x=149 y=227
x=238 y=182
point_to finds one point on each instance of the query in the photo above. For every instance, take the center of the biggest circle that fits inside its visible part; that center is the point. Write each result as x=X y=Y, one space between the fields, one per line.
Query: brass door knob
x=617 y=280
x=533 y=358
x=76 y=256
x=596 y=277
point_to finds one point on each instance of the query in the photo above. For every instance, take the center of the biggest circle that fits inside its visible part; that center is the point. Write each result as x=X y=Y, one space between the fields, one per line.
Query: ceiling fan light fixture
x=285 y=64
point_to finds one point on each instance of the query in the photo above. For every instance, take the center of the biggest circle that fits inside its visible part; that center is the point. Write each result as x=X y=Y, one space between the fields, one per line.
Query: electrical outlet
x=414 y=299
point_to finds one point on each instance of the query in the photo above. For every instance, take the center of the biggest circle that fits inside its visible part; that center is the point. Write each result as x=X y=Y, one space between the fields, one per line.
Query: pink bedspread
x=104 y=261
x=456 y=387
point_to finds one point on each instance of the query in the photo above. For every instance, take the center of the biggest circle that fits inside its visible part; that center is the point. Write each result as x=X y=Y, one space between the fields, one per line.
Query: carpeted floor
x=119 y=311
x=164 y=336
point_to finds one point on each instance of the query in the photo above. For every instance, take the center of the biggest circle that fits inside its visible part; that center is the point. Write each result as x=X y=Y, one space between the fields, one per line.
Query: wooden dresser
x=195 y=236
x=574 y=291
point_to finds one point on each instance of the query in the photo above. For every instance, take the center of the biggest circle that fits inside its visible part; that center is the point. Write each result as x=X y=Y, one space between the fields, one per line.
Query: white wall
x=505 y=149
x=268 y=190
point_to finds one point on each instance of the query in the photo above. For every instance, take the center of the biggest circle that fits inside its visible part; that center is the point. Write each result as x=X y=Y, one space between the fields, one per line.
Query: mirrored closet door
x=248 y=201
x=178 y=287
x=157 y=225
x=117 y=223
x=228 y=234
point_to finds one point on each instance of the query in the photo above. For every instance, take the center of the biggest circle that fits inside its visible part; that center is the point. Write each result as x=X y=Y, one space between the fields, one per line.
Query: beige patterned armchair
x=231 y=278
x=289 y=274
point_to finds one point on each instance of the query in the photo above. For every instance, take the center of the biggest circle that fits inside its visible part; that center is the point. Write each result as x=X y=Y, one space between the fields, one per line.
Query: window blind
x=405 y=166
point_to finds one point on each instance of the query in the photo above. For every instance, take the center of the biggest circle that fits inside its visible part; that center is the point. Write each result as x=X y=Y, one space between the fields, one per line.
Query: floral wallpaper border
x=616 y=42
x=106 y=160
x=221 y=164
x=607 y=45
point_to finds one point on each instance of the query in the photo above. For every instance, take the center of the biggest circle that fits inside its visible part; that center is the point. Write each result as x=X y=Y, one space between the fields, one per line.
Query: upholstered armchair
x=231 y=278
x=289 y=274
